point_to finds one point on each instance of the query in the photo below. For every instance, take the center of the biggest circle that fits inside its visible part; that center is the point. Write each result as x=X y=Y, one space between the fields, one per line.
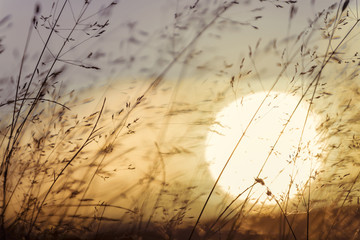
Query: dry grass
x=130 y=163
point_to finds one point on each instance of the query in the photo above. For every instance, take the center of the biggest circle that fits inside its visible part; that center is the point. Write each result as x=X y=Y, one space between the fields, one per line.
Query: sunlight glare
x=282 y=167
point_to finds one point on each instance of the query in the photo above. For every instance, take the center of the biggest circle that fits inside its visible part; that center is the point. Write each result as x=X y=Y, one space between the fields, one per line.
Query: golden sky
x=166 y=70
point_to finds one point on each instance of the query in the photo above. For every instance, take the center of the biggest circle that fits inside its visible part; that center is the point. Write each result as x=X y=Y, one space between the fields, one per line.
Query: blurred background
x=166 y=69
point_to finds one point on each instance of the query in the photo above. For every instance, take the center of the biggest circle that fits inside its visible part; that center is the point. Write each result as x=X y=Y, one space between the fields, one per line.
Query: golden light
x=268 y=152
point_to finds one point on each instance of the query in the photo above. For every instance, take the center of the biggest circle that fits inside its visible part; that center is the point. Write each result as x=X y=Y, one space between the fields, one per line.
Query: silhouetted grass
x=77 y=166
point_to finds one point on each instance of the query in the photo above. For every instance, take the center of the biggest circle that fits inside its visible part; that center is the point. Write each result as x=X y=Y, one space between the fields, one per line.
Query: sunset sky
x=167 y=69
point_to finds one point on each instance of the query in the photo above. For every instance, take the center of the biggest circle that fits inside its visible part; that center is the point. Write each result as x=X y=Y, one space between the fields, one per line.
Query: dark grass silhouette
x=114 y=173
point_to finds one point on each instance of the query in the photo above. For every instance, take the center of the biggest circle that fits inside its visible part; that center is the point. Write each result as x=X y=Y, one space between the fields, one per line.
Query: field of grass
x=104 y=119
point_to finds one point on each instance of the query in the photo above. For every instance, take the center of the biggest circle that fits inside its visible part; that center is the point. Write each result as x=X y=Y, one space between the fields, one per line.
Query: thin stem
x=41 y=99
x=286 y=219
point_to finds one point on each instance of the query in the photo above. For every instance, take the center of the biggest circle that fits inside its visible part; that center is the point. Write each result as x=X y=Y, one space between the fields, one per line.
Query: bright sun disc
x=282 y=168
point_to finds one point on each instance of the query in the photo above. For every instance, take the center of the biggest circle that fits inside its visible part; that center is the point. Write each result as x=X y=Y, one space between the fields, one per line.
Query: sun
x=278 y=165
